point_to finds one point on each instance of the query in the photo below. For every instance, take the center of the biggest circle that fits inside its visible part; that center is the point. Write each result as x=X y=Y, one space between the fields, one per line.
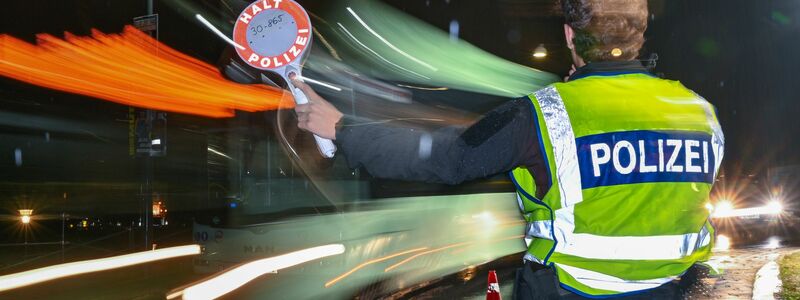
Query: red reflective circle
x=292 y=53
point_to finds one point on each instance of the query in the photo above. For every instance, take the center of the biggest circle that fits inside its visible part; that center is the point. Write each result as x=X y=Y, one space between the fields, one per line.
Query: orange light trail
x=362 y=265
x=424 y=253
x=410 y=258
x=132 y=68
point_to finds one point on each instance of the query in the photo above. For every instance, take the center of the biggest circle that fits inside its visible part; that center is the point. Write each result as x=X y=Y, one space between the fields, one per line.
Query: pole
x=130 y=236
x=147 y=190
x=25 y=233
x=148 y=200
x=63 y=221
x=63 y=224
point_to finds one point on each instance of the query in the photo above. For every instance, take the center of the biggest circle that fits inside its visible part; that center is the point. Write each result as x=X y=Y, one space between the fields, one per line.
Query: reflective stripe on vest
x=606 y=282
x=617 y=247
x=563 y=140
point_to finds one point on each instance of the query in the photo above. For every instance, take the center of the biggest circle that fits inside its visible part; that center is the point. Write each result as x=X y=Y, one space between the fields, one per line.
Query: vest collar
x=609 y=68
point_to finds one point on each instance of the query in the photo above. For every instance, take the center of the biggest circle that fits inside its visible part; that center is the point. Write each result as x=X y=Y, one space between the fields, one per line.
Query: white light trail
x=239 y=276
x=219 y=153
x=376 y=53
x=752 y=211
x=320 y=83
x=17 y=280
x=216 y=31
x=388 y=43
x=423 y=88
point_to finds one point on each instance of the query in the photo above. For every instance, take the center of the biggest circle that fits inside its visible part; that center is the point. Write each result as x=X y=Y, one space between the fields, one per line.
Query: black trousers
x=535 y=281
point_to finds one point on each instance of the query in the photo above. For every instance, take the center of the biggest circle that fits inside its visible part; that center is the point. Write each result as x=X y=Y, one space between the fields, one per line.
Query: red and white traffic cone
x=493 y=291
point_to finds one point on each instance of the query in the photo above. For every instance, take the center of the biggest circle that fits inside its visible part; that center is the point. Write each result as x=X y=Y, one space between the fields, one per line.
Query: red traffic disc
x=272 y=33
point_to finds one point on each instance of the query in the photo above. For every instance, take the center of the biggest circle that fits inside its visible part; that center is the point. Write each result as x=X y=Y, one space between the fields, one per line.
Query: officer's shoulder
x=679 y=85
x=553 y=87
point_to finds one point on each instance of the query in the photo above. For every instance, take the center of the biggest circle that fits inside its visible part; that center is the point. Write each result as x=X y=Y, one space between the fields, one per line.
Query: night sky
x=741 y=55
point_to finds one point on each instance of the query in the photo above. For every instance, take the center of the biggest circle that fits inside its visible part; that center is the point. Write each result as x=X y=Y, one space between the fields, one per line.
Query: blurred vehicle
x=746 y=220
x=281 y=196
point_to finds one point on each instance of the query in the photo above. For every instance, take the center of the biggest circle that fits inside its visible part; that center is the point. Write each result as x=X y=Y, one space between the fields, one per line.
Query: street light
x=25 y=218
x=540 y=51
x=25 y=215
x=724 y=208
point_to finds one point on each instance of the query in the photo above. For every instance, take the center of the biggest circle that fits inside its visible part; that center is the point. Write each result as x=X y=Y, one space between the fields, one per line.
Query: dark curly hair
x=606 y=30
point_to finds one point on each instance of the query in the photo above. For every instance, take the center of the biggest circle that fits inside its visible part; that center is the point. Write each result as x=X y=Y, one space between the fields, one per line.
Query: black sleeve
x=502 y=140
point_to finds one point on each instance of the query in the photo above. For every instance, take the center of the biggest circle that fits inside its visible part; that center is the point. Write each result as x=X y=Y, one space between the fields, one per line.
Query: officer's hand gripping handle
x=326 y=146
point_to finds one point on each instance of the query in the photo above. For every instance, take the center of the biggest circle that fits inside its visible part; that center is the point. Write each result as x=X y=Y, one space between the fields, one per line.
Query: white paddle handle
x=326 y=146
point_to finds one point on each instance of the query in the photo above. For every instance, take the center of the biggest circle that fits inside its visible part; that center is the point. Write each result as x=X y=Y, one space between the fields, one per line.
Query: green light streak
x=394 y=46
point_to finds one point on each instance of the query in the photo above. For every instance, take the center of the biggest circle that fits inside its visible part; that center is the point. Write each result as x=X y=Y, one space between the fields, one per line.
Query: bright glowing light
x=133 y=69
x=616 y=52
x=775 y=207
x=157 y=209
x=723 y=243
x=773 y=243
x=723 y=208
x=362 y=265
x=25 y=215
x=709 y=207
x=238 y=276
x=26 y=278
x=540 y=51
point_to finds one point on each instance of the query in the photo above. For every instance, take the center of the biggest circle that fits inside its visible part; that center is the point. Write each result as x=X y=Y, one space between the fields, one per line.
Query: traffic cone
x=493 y=291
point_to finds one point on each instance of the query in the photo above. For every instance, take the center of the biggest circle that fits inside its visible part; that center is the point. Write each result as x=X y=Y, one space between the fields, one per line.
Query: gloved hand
x=317 y=116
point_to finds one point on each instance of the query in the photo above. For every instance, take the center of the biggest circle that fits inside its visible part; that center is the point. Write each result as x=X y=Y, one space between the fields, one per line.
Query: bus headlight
x=724 y=208
x=775 y=207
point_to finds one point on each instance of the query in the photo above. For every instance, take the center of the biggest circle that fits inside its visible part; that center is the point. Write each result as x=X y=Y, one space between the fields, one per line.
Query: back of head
x=606 y=30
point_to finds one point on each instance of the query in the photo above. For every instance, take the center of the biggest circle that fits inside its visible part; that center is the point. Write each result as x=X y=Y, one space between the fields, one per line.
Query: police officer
x=613 y=168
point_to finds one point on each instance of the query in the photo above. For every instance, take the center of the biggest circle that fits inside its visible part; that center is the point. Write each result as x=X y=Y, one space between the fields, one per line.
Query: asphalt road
x=751 y=249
